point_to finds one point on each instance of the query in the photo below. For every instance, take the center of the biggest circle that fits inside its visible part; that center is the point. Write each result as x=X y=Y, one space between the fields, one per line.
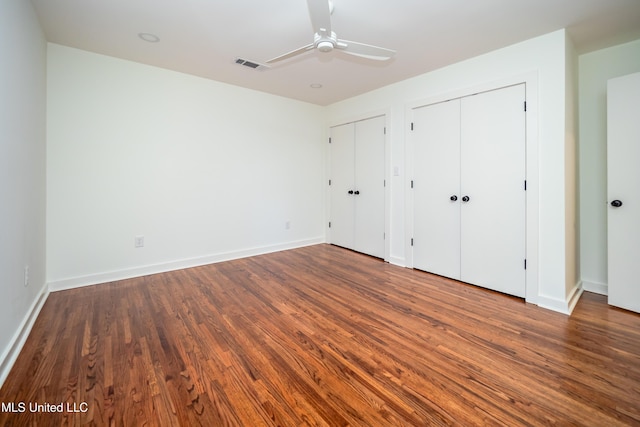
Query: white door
x=342 y=227
x=369 y=186
x=436 y=188
x=469 y=189
x=623 y=186
x=493 y=198
x=357 y=214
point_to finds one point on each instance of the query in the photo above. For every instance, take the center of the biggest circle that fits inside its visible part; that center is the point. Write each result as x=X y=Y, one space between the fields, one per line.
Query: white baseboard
x=596 y=288
x=10 y=355
x=562 y=306
x=574 y=297
x=111 y=276
x=400 y=262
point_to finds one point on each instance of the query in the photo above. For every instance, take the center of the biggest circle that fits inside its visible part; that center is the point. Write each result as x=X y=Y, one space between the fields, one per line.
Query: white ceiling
x=204 y=37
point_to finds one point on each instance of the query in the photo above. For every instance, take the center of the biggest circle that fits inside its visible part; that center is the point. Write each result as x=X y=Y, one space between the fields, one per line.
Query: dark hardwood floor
x=321 y=336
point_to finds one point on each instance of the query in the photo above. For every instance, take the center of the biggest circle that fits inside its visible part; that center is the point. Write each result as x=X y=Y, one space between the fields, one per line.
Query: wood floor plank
x=322 y=336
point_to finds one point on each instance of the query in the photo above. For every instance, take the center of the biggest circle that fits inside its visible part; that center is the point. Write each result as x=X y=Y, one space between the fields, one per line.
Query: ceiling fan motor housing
x=324 y=42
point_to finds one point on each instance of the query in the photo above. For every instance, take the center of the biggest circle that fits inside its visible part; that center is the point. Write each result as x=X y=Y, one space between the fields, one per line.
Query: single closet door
x=342 y=222
x=436 y=188
x=369 y=186
x=357 y=186
x=492 y=173
x=623 y=187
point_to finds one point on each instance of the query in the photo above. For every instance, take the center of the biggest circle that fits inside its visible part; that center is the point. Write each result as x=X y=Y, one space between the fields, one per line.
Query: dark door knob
x=453 y=198
x=350 y=191
x=616 y=203
x=356 y=192
x=465 y=199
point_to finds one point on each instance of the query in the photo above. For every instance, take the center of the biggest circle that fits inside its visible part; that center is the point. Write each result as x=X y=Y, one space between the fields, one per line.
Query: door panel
x=369 y=183
x=623 y=184
x=436 y=145
x=342 y=205
x=493 y=148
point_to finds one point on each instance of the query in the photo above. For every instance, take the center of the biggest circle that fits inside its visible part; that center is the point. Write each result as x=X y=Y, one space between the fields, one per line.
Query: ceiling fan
x=326 y=40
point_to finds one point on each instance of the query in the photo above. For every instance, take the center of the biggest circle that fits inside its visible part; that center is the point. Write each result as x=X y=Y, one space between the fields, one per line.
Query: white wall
x=546 y=58
x=595 y=69
x=203 y=170
x=22 y=174
x=572 y=217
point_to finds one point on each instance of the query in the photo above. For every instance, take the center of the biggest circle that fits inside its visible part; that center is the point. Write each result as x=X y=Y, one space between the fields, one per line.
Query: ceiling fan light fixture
x=325 y=46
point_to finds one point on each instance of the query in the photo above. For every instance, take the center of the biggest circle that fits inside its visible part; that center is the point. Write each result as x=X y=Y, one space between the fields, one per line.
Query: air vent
x=250 y=64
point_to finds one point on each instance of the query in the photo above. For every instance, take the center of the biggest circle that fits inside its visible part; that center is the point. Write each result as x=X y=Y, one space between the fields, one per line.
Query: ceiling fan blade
x=365 y=50
x=291 y=54
x=320 y=13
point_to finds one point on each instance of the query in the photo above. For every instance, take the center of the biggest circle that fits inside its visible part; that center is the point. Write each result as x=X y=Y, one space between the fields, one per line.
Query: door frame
x=386 y=113
x=530 y=81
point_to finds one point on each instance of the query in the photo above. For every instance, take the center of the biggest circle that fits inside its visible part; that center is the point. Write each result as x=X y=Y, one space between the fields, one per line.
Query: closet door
x=357 y=215
x=436 y=188
x=369 y=186
x=623 y=186
x=342 y=219
x=492 y=170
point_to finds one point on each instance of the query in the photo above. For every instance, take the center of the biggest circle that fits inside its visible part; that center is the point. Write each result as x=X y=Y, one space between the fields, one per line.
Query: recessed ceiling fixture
x=148 y=37
x=315 y=85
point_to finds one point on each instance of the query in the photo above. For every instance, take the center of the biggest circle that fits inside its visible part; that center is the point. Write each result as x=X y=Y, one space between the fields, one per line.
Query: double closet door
x=469 y=189
x=357 y=217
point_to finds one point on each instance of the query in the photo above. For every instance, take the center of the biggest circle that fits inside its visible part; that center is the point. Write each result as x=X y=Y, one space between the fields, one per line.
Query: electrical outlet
x=138 y=241
x=26 y=275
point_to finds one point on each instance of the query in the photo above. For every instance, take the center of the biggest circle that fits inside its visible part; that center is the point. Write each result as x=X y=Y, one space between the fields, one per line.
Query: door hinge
x=384 y=236
x=384 y=131
x=329 y=182
x=412 y=241
x=411 y=125
x=329 y=140
x=525 y=105
x=525 y=263
x=384 y=182
x=525 y=185
x=329 y=224
x=411 y=183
